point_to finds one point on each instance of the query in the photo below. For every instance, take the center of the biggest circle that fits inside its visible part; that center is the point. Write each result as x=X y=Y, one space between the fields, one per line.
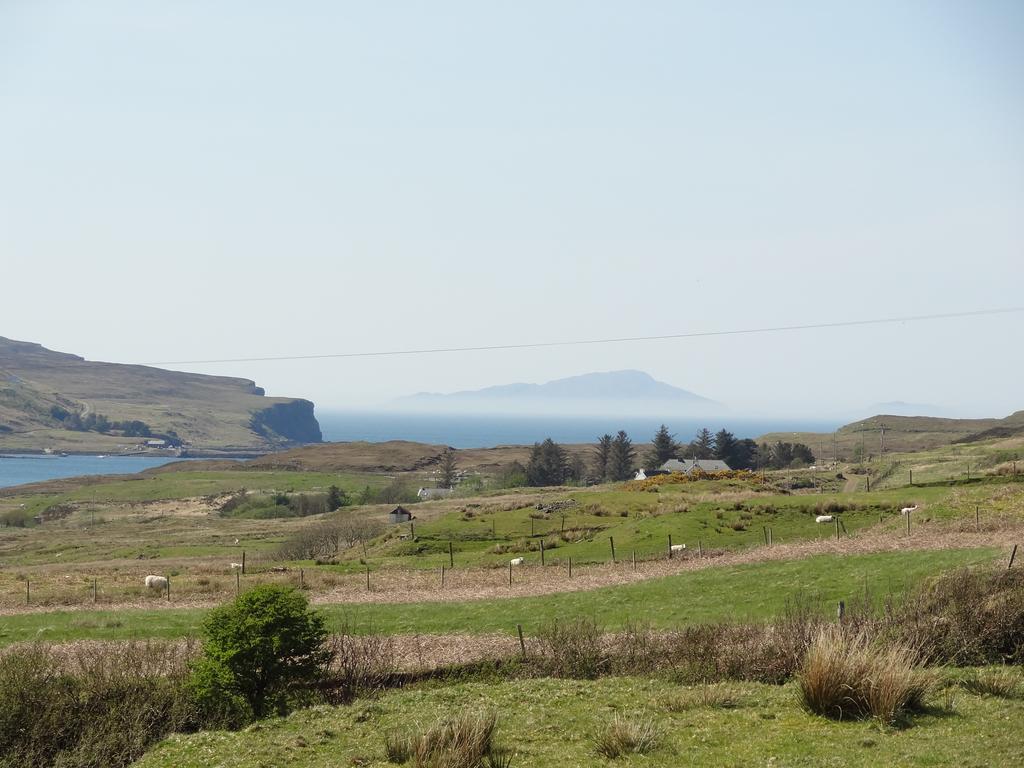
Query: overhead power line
x=621 y=340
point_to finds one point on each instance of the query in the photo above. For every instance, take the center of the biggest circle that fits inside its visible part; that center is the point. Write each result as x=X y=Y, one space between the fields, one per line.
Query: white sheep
x=908 y=510
x=156 y=582
x=824 y=519
x=678 y=547
x=516 y=561
x=236 y=566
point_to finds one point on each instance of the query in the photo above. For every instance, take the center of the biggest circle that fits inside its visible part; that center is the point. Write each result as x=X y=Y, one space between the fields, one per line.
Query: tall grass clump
x=627 y=736
x=463 y=741
x=1001 y=683
x=845 y=676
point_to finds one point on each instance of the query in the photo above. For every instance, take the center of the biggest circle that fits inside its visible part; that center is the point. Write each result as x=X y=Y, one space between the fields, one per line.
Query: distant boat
x=101 y=456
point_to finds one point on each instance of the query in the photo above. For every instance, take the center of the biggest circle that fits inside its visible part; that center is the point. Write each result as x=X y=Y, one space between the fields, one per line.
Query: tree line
x=614 y=458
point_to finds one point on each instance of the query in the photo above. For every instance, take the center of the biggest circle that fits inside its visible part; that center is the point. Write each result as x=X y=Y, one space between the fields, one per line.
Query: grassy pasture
x=554 y=723
x=754 y=591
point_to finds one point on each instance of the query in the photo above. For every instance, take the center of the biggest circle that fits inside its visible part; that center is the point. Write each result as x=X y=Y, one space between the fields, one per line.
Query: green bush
x=90 y=705
x=265 y=649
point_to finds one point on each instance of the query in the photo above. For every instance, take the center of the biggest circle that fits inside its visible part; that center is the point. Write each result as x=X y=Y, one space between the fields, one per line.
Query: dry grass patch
x=706 y=696
x=628 y=736
x=845 y=676
x=463 y=741
x=1001 y=683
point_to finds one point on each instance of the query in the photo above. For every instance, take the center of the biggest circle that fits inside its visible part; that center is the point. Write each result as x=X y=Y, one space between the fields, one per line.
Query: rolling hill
x=48 y=400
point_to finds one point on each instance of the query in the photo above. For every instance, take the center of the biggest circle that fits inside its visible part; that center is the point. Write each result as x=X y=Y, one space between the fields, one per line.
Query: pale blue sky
x=185 y=180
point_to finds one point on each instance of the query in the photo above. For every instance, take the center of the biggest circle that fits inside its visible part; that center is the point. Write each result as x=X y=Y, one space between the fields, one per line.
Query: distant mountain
x=63 y=402
x=624 y=391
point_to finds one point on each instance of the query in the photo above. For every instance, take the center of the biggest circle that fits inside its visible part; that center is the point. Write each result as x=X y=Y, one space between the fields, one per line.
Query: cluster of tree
x=259 y=507
x=97 y=422
x=783 y=455
x=614 y=457
x=550 y=464
x=327 y=538
x=398 y=491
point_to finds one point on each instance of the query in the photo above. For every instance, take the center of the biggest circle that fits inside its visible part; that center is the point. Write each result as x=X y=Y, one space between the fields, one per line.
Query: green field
x=554 y=722
x=755 y=591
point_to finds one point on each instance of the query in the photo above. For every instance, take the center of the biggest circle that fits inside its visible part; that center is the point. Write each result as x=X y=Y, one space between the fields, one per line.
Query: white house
x=434 y=493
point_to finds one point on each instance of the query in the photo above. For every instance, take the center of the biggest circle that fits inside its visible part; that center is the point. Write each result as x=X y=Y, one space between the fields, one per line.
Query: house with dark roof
x=399 y=515
x=687 y=466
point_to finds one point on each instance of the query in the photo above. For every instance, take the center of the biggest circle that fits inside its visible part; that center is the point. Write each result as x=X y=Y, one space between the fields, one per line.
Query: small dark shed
x=399 y=515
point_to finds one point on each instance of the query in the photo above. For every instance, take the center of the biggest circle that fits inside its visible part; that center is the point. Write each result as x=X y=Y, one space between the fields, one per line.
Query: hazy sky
x=184 y=180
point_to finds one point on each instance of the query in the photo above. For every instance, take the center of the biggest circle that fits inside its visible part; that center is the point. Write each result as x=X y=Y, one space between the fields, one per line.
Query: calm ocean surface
x=475 y=431
x=15 y=470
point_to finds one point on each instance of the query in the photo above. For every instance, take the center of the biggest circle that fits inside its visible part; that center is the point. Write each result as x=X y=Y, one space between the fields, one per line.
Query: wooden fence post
x=841 y=611
x=522 y=643
x=911 y=478
x=238 y=583
x=908 y=523
x=700 y=549
x=510 y=573
x=451 y=555
x=542 y=551
x=302 y=579
x=670 y=546
x=764 y=532
x=977 y=518
x=442 y=575
x=634 y=559
x=570 y=567
x=837 y=527
x=243 y=561
x=28 y=591
x=1013 y=554
x=94 y=590
x=367 y=578
x=771 y=537
x=868 y=477
x=412 y=530
x=168 y=588
x=611 y=541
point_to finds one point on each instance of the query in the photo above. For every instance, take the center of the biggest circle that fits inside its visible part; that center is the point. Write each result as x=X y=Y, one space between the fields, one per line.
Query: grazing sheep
x=236 y=566
x=156 y=582
x=516 y=561
x=908 y=510
x=824 y=519
x=678 y=547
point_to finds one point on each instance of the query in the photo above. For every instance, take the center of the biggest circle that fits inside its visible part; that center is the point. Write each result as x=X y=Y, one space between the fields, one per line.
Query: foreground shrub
x=627 y=736
x=265 y=649
x=572 y=649
x=359 y=664
x=464 y=741
x=90 y=705
x=966 y=617
x=845 y=677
